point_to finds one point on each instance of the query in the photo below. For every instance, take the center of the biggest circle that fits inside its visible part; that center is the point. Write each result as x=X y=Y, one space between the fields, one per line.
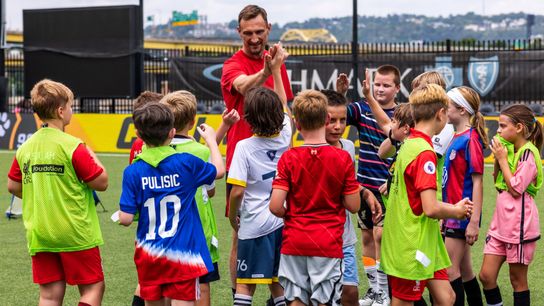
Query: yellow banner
x=114 y=133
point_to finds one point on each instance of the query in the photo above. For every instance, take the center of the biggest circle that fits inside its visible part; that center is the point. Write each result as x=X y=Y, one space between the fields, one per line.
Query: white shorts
x=313 y=280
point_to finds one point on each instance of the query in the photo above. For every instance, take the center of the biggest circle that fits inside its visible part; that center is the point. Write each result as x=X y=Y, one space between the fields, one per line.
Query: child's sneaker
x=368 y=298
x=381 y=299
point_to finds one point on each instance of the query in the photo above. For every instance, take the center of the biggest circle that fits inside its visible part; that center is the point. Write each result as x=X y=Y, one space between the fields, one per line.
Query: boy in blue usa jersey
x=171 y=251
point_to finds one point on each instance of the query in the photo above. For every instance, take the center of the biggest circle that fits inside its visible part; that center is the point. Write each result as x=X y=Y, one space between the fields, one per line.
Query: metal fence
x=527 y=56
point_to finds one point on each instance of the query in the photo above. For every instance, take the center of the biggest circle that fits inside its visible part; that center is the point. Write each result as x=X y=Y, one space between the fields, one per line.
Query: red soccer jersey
x=135 y=149
x=420 y=174
x=84 y=164
x=240 y=64
x=316 y=178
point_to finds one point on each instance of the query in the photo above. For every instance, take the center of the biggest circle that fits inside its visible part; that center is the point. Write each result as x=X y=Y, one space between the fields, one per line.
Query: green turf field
x=15 y=270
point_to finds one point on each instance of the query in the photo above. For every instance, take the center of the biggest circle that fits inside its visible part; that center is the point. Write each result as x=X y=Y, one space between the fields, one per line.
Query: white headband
x=456 y=96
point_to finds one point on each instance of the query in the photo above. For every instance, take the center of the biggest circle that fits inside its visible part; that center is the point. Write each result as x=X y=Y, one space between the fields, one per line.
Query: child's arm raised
x=277 y=199
x=229 y=118
x=208 y=134
x=381 y=117
x=387 y=149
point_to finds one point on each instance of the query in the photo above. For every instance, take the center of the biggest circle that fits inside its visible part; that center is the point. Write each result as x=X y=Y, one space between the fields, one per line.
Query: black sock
x=493 y=297
x=457 y=286
x=522 y=298
x=473 y=293
x=421 y=302
x=138 y=301
x=270 y=301
x=233 y=292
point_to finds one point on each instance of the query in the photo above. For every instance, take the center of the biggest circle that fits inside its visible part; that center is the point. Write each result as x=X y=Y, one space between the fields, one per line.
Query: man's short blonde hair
x=427 y=100
x=310 y=109
x=183 y=105
x=47 y=96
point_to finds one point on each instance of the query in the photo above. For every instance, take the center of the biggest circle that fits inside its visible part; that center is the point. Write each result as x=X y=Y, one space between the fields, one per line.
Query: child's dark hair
x=334 y=98
x=153 y=121
x=390 y=69
x=519 y=113
x=263 y=111
x=403 y=114
x=146 y=97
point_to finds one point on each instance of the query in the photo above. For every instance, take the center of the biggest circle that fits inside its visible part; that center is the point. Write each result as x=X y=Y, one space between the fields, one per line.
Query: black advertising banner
x=505 y=76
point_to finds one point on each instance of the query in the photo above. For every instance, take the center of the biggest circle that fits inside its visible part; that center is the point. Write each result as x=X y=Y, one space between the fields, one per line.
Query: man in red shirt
x=244 y=70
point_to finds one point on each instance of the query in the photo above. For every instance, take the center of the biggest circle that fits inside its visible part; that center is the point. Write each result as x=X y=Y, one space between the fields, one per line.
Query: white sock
x=242 y=300
x=371 y=275
x=382 y=279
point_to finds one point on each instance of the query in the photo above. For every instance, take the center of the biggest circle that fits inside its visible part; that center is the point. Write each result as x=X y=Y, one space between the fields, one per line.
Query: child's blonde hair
x=310 y=109
x=427 y=100
x=183 y=105
x=429 y=77
x=47 y=96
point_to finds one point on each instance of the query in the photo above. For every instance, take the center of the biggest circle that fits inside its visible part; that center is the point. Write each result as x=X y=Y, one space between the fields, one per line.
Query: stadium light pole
x=355 y=51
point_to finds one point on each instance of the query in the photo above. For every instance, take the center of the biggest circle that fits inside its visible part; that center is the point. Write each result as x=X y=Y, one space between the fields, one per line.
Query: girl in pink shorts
x=515 y=227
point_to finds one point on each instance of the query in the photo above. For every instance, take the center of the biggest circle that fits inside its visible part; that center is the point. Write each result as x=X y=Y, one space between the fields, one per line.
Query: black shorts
x=210 y=277
x=364 y=215
x=456 y=233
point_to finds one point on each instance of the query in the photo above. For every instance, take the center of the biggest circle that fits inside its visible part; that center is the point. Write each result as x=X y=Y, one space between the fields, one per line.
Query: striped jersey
x=372 y=171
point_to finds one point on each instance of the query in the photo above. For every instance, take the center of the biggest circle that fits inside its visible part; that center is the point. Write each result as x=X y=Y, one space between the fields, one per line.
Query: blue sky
x=283 y=11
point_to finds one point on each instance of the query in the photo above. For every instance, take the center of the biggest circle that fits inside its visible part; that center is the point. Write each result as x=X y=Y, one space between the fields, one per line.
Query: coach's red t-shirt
x=136 y=149
x=420 y=174
x=316 y=178
x=84 y=164
x=240 y=64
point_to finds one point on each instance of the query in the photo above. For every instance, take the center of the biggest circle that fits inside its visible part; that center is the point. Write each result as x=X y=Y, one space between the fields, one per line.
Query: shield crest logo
x=483 y=73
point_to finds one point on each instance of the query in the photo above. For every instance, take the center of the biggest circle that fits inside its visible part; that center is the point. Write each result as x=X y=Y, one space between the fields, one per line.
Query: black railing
x=518 y=57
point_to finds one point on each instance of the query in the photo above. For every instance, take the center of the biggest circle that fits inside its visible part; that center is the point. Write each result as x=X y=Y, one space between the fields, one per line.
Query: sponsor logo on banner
x=452 y=75
x=483 y=73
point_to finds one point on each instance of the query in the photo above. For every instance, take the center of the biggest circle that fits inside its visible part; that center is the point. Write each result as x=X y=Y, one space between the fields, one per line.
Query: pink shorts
x=76 y=268
x=514 y=253
x=187 y=290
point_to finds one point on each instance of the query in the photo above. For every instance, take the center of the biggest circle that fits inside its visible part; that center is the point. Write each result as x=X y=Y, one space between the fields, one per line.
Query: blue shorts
x=349 y=267
x=259 y=259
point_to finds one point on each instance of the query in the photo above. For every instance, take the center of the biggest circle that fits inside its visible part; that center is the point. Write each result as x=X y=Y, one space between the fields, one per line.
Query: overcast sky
x=283 y=11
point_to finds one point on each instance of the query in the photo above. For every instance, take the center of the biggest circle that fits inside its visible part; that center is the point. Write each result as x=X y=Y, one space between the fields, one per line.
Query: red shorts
x=514 y=252
x=411 y=290
x=187 y=290
x=76 y=268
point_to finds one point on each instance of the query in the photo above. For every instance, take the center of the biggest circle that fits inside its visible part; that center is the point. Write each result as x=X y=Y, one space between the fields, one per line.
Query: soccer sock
x=279 y=301
x=473 y=293
x=493 y=297
x=522 y=298
x=457 y=286
x=242 y=300
x=382 y=279
x=371 y=272
x=83 y=304
x=233 y=292
x=138 y=301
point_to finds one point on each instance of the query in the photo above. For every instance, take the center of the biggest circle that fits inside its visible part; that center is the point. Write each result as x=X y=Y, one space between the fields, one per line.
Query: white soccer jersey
x=349 y=237
x=254 y=166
